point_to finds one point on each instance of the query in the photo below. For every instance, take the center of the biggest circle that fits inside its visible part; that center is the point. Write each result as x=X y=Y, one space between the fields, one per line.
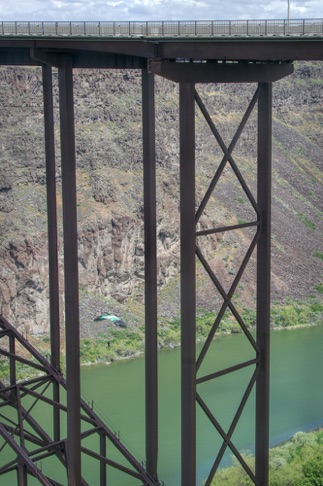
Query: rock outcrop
x=110 y=202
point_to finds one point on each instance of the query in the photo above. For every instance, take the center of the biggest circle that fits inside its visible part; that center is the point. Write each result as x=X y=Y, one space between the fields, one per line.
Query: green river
x=117 y=391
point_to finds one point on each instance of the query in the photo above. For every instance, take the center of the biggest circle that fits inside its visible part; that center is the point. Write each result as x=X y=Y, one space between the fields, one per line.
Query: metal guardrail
x=192 y=28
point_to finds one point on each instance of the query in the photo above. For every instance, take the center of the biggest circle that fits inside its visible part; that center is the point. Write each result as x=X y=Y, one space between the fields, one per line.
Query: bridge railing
x=191 y=28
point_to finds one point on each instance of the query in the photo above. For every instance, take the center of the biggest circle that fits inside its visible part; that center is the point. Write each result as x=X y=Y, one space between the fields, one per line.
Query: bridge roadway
x=130 y=44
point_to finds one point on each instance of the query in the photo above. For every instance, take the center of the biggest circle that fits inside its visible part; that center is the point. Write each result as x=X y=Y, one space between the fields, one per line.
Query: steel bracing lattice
x=227 y=296
x=261 y=204
x=31 y=439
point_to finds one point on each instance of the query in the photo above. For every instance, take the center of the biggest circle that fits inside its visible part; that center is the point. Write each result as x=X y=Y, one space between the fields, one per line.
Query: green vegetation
x=318 y=82
x=319 y=288
x=23 y=371
x=298 y=462
x=297 y=313
x=125 y=343
x=114 y=344
x=240 y=200
x=318 y=254
x=304 y=219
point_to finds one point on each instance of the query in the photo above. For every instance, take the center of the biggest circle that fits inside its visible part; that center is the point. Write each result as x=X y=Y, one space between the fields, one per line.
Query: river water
x=117 y=392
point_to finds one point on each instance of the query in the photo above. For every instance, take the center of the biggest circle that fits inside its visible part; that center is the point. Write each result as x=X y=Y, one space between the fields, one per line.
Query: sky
x=100 y=10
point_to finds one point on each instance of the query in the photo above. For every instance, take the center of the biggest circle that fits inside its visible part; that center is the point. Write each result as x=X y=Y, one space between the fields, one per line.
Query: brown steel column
x=263 y=281
x=188 y=284
x=103 y=466
x=22 y=475
x=148 y=107
x=12 y=361
x=52 y=215
x=53 y=270
x=72 y=326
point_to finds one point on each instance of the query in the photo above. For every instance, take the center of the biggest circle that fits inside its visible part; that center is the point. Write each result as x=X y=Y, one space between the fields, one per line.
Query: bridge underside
x=187 y=64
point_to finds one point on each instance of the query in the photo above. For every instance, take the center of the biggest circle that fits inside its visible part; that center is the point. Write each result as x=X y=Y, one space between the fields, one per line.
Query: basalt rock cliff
x=110 y=192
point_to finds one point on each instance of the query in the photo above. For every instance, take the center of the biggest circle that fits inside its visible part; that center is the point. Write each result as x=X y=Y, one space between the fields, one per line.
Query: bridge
x=188 y=53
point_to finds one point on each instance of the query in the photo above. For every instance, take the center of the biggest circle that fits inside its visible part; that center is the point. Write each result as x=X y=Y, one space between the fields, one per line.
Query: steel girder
x=133 y=52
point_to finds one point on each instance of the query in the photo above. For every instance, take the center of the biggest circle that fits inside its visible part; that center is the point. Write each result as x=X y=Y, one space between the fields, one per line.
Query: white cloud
x=156 y=9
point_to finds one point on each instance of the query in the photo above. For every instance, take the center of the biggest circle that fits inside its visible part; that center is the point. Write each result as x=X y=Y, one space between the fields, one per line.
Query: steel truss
x=254 y=363
x=187 y=74
x=31 y=441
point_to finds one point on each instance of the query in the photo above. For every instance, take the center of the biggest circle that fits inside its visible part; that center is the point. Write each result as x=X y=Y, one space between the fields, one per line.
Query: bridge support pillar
x=72 y=320
x=188 y=280
x=263 y=280
x=187 y=74
x=151 y=345
x=53 y=270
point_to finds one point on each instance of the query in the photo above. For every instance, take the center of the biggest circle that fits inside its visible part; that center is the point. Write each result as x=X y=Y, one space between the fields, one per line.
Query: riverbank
x=113 y=344
x=298 y=461
x=109 y=343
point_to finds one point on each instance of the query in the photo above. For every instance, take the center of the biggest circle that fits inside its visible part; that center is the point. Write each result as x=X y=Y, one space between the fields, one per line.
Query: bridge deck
x=134 y=53
x=130 y=44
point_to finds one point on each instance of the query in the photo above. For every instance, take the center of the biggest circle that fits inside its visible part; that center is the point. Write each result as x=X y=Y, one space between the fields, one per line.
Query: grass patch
x=126 y=343
x=318 y=254
x=319 y=288
x=305 y=220
x=297 y=313
x=113 y=345
x=318 y=82
x=240 y=200
x=242 y=221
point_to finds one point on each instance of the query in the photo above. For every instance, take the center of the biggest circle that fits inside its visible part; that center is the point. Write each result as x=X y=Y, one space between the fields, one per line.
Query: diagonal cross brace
x=227 y=300
x=227 y=153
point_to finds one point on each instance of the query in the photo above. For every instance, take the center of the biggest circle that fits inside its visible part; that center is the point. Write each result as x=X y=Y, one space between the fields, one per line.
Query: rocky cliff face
x=110 y=205
x=23 y=284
